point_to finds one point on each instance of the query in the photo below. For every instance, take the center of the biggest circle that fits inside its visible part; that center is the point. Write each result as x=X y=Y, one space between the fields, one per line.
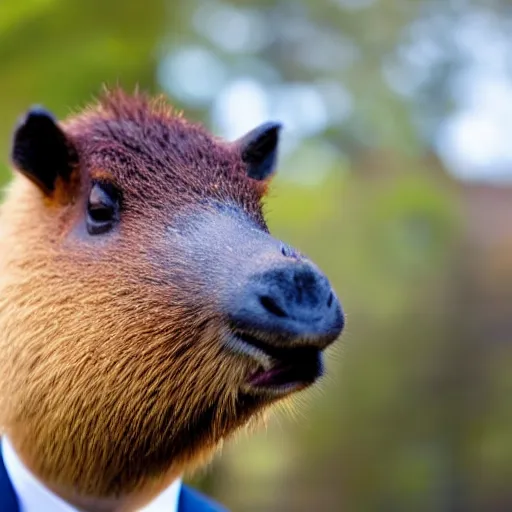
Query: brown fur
x=111 y=375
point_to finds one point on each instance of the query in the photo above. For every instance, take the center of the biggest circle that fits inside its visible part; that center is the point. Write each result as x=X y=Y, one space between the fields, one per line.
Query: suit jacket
x=189 y=501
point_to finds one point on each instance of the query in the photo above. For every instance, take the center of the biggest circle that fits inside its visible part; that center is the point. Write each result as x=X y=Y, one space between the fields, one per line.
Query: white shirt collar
x=33 y=496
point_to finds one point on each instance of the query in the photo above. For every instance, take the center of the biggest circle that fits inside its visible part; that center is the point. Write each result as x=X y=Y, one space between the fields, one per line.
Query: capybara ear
x=258 y=149
x=41 y=150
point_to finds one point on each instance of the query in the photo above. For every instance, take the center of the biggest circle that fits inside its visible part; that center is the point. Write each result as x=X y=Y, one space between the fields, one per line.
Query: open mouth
x=282 y=369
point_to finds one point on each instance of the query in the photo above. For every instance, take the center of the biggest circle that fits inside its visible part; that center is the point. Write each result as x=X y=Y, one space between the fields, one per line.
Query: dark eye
x=102 y=208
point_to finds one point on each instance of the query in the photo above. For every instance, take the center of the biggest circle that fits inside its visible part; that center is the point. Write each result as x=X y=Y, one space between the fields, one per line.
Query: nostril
x=287 y=251
x=329 y=300
x=271 y=305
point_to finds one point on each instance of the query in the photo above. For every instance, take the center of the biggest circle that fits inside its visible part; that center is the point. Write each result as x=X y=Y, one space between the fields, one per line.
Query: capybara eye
x=102 y=208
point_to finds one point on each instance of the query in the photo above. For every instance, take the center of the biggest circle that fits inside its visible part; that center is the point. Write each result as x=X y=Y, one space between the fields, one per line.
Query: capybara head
x=145 y=311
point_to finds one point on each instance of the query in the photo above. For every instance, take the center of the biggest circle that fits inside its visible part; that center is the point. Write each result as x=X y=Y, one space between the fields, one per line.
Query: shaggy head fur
x=112 y=370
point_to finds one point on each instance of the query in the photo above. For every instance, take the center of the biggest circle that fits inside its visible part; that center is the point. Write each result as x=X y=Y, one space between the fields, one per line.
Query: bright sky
x=476 y=143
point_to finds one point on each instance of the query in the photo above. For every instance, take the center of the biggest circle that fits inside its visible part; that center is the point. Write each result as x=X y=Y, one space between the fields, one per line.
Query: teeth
x=242 y=347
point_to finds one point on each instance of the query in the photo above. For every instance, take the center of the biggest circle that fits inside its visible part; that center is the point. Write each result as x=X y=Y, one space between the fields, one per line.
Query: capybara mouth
x=282 y=370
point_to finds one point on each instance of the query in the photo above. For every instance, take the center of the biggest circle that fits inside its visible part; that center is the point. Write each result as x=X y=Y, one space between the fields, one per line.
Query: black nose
x=292 y=303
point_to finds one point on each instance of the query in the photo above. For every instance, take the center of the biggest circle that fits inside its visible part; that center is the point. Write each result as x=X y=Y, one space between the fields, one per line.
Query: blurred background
x=396 y=178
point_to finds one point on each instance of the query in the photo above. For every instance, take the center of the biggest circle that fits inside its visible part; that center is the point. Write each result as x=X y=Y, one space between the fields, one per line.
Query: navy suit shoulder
x=193 y=501
x=8 y=499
